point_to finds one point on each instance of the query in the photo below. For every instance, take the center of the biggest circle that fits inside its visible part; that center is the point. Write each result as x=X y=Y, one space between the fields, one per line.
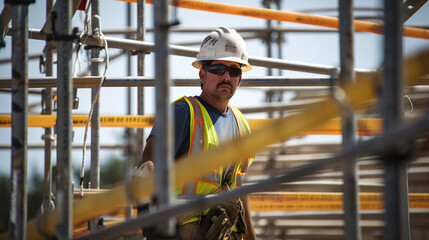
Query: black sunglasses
x=220 y=69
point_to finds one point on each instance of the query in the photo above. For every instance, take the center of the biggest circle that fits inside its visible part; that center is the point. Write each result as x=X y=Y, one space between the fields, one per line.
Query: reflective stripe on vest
x=243 y=128
x=202 y=137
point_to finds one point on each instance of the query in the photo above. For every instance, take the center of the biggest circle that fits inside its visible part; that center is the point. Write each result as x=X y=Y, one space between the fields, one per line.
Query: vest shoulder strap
x=243 y=125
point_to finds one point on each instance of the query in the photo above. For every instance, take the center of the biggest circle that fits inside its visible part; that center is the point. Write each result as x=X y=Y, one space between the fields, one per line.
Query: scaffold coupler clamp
x=48 y=205
x=48 y=137
x=339 y=96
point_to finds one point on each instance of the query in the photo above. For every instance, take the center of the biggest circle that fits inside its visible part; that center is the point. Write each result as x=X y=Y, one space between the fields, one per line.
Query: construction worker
x=204 y=121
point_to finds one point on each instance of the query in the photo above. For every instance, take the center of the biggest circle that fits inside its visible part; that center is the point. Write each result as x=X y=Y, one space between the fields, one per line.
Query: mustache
x=224 y=83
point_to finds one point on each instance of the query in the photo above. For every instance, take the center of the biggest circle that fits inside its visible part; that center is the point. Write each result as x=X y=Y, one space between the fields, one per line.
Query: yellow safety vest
x=202 y=137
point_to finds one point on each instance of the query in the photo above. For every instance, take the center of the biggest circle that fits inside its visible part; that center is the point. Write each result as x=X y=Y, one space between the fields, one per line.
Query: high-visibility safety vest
x=203 y=137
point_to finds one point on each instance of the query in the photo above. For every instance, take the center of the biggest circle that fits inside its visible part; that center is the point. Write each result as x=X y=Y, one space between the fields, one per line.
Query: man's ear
x=202 y=75
x=239 y=81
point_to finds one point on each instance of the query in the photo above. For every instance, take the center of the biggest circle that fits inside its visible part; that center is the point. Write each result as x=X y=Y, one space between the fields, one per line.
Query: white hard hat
x=223 y=44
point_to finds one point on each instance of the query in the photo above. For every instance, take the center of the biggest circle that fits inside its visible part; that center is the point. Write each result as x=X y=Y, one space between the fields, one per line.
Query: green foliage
x=111 y=172
x=34 y=199
x=35 y=196
x=5 y=202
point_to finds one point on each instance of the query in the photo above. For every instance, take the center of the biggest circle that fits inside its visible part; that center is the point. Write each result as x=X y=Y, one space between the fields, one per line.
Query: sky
x=317 y=48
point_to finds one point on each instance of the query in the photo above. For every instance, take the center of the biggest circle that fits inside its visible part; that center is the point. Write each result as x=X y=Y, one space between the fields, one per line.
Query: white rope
x=411 y=103
x=102 y=42
x=82 y=38
x=78 y=61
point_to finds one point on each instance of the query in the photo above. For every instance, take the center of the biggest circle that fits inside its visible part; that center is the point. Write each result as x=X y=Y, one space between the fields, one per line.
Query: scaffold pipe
x=93 y=81
x=287 y=16
x=128 y=44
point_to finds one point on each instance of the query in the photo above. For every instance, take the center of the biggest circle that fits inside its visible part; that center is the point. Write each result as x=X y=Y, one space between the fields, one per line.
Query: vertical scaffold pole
x=47 y=109
x=129 y=134
x=18 y=197
x=64 y=120
x=164 y=175
x=279 y=38
x=95 y=120
x=396 y=184
x=141 y=31
x=268 y=36
x=347 y=75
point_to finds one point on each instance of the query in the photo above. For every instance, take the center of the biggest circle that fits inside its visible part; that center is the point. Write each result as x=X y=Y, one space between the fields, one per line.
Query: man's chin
x=223 y=95
x=226 y=95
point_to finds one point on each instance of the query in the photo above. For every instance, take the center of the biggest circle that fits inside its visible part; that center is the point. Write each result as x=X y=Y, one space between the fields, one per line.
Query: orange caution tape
x=48 y=121
x=366 y=126
x=286 y=16
x=325 y=201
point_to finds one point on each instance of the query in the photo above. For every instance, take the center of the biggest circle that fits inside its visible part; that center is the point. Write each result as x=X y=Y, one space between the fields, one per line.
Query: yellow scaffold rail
x=365 y=126
x=261 y=202
x=203 y=163
x=286 y=16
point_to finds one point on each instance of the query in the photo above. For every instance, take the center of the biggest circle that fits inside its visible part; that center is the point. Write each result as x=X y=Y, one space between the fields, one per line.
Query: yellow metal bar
x=365 y=126
x=286 y=16
x=203 y=163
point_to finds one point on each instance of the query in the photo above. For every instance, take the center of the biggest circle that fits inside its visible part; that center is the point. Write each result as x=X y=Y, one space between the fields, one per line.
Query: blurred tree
x=4 y=202
x=111 y=172
x=34 y=199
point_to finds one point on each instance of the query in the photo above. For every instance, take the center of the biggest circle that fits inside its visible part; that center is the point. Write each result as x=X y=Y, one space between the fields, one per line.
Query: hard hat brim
x=245 y=66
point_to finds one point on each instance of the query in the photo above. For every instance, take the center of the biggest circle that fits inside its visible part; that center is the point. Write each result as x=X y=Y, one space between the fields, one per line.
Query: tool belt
x=220 y=220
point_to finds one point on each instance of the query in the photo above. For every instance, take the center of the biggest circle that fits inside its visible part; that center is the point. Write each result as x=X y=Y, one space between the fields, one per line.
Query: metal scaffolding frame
x=397 y=215
x=352 y=229
x=62 y=28
x=47 y=95
x=396 y=181
x=18 y=213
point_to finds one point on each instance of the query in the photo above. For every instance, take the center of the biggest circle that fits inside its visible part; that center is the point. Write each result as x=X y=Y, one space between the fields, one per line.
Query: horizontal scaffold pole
x=134 y=45
x=366 y=126
x=201 y=164
x=287 y=16
x=91 y=82
x=269 y=81
x=94 y=81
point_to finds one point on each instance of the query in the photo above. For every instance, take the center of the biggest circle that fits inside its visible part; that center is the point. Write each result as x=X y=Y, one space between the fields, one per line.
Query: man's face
x=220 y=87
